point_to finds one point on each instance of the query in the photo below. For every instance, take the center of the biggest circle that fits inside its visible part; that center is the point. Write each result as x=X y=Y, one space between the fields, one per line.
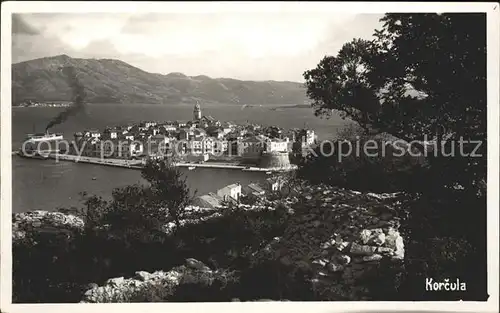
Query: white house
x=277 y=145
x=230 y=192
x=169 y=127
x=220 y=147
x=128 y=149
x=307 y=136
x=92 y=133
x=112 y=133
x=196 y=146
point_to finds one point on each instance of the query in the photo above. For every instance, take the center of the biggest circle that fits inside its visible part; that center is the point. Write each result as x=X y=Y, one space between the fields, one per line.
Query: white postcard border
x=493 y=75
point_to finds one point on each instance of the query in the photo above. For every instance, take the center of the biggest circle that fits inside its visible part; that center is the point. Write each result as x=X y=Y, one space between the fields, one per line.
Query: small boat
x=94 y=178
x=191 y=168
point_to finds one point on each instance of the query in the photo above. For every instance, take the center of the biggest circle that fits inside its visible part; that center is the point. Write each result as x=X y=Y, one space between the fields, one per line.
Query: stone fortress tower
x=275 y=160
x=197 y=112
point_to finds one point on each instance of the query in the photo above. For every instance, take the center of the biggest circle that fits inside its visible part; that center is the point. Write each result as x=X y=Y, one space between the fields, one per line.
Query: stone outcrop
x=43 y=221
x=340 y=236
x=120 y=289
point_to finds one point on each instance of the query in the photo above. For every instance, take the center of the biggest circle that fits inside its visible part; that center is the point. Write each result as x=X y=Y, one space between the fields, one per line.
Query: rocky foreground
x=144 y=284
x=341 y=235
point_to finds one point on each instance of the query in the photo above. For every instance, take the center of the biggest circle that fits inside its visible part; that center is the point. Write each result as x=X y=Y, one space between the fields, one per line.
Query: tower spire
x=197 y=111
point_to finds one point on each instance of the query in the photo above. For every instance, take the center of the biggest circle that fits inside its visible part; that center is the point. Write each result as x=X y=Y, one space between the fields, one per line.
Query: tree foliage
x=422 y=77
x=168 y=188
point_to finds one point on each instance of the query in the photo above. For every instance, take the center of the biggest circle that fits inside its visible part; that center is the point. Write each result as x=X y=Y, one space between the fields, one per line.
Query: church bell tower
x=197 y=112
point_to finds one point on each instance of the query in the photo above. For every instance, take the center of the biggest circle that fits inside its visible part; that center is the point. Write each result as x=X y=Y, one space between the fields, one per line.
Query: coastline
x=137 y=165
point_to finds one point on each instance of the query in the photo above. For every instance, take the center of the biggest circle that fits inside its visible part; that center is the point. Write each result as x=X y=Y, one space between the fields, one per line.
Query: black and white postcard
x=249 y=156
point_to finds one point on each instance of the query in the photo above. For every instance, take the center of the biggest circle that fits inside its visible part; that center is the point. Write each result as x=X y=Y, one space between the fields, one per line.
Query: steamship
x=40 y=145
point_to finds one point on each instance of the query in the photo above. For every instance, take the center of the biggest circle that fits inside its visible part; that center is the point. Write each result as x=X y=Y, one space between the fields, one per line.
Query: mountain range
x=114 y=81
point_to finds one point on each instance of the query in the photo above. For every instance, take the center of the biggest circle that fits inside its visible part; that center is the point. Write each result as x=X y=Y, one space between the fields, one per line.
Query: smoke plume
x=78 y=93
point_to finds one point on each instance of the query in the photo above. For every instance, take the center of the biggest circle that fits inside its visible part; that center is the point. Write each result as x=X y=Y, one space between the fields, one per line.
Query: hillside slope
x=114 y=81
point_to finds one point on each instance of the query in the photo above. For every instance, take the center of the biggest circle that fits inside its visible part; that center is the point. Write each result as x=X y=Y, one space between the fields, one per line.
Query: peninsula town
x=202 y=140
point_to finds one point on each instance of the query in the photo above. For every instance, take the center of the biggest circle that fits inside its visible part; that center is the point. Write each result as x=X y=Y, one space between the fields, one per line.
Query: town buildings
x=203 y=135
x=235 y=193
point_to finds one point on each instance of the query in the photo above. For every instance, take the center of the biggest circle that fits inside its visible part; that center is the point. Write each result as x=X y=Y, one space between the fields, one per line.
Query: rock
x=374 y=257
x=357 y=249
x=18 y=235
x=395 y=242
x=322 y=273
x=36 y=223
x=88 y=294
x=328 y=244
x=400 y=251
x=379 y=239
x=385 y=251
x=399 y=256
x=142 y=275
x=116 y=281
x=120 y=289
x=343 y=259
x=173 y=277
x=365 y=236
x=332 y=267
x=40 y=221
x=197 y=265
x=342 y=245
x=320 y=263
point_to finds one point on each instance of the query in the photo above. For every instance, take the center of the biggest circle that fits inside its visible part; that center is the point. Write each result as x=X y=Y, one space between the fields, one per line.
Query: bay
x=47 y=185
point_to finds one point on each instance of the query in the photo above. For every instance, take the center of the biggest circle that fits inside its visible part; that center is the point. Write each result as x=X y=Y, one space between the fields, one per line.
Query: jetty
x=131 y=164
x=138 y=164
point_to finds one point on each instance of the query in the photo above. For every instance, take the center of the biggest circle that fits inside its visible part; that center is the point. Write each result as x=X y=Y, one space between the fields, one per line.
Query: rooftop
x=256 y=188
x=255 y=139
x=212 y=198
x=231 y=186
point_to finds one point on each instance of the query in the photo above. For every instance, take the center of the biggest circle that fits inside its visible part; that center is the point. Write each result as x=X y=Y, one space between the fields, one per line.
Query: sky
x=249 y=46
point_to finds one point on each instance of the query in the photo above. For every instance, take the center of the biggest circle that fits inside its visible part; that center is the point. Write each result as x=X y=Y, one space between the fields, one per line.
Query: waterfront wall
x=137 y=165
x=275 y=160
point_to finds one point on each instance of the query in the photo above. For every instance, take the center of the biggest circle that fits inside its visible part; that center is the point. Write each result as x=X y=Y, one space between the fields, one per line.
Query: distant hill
x=114 y=81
